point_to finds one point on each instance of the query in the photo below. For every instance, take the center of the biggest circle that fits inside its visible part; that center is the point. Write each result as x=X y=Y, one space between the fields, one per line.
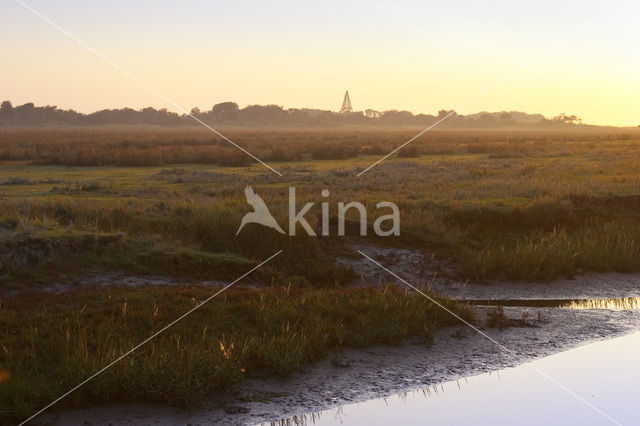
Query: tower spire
x=346 y=104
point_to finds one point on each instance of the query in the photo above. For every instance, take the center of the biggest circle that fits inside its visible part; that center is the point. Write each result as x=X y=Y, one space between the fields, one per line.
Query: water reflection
x=616 y=304
x=310 y=418
x=337 y=415
x=603 y=373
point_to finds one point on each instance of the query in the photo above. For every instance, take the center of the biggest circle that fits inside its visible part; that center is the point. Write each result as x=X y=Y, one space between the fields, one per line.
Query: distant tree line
x=228 y=113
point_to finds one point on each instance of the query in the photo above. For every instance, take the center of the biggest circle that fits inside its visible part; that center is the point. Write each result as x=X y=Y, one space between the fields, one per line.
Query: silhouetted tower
x=346 y=104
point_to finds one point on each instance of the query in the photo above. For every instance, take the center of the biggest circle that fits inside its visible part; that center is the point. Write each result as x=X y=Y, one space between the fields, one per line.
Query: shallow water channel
x=592 y=384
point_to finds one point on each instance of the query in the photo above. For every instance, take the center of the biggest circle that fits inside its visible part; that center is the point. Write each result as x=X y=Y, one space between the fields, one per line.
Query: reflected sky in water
x=606 y=374
x=618 y=304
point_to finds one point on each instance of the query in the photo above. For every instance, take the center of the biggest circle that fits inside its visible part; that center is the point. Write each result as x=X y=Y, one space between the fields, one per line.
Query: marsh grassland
x=517 y=205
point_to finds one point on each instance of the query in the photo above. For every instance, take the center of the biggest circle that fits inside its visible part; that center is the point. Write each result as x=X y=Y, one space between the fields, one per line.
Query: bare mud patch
x=116 y=279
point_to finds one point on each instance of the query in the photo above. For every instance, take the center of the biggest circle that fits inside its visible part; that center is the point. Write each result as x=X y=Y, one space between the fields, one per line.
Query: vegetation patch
x=523 y=205
x=50 y=343
x=607 y=247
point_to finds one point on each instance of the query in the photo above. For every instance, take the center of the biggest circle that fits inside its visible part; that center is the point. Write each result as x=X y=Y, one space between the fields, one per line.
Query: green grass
x=42 y=255
x=46 y=237
x=544 y=256
x=50 y=343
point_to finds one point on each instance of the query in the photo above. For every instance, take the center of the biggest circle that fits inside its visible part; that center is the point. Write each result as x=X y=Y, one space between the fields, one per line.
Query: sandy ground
x=379 y=371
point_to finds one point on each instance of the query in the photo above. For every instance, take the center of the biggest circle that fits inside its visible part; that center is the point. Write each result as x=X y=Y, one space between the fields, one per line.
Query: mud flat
x=594 y=384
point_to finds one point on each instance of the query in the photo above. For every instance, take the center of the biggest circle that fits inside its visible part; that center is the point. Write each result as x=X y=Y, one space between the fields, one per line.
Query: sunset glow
x=416 y=56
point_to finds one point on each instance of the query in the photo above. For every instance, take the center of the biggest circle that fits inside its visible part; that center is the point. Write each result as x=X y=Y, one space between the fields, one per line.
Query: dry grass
x=133 y=147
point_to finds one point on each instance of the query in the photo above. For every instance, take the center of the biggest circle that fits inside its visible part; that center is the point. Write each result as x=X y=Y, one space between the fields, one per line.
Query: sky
x=418 y=56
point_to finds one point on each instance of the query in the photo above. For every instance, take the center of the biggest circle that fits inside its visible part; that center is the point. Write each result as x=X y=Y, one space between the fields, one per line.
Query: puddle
x=603 y=373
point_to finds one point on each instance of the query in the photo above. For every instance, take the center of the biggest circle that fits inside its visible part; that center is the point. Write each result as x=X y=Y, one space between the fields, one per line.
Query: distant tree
x=225 y=111
x=225 y=107
x=396 y=117
x=567 y=119
x=263 y=113
x=6 y=110
x=443 y=112
x=505 y=116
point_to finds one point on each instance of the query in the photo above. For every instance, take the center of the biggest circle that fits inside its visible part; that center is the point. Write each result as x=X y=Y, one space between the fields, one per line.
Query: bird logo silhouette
x=260 y=213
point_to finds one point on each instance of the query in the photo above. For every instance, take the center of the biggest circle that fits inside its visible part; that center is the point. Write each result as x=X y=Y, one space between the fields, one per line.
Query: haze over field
x=421 y=57
x=256 y=116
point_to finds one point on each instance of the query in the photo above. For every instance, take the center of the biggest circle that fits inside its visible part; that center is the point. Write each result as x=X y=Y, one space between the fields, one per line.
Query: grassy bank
x=543 y=256
x=50 y=343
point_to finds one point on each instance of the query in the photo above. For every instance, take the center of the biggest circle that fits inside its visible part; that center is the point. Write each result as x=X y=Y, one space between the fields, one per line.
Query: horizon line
x=338 y=113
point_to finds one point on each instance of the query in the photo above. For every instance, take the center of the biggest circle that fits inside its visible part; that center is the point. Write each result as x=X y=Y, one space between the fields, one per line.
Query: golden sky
x=416 y=56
